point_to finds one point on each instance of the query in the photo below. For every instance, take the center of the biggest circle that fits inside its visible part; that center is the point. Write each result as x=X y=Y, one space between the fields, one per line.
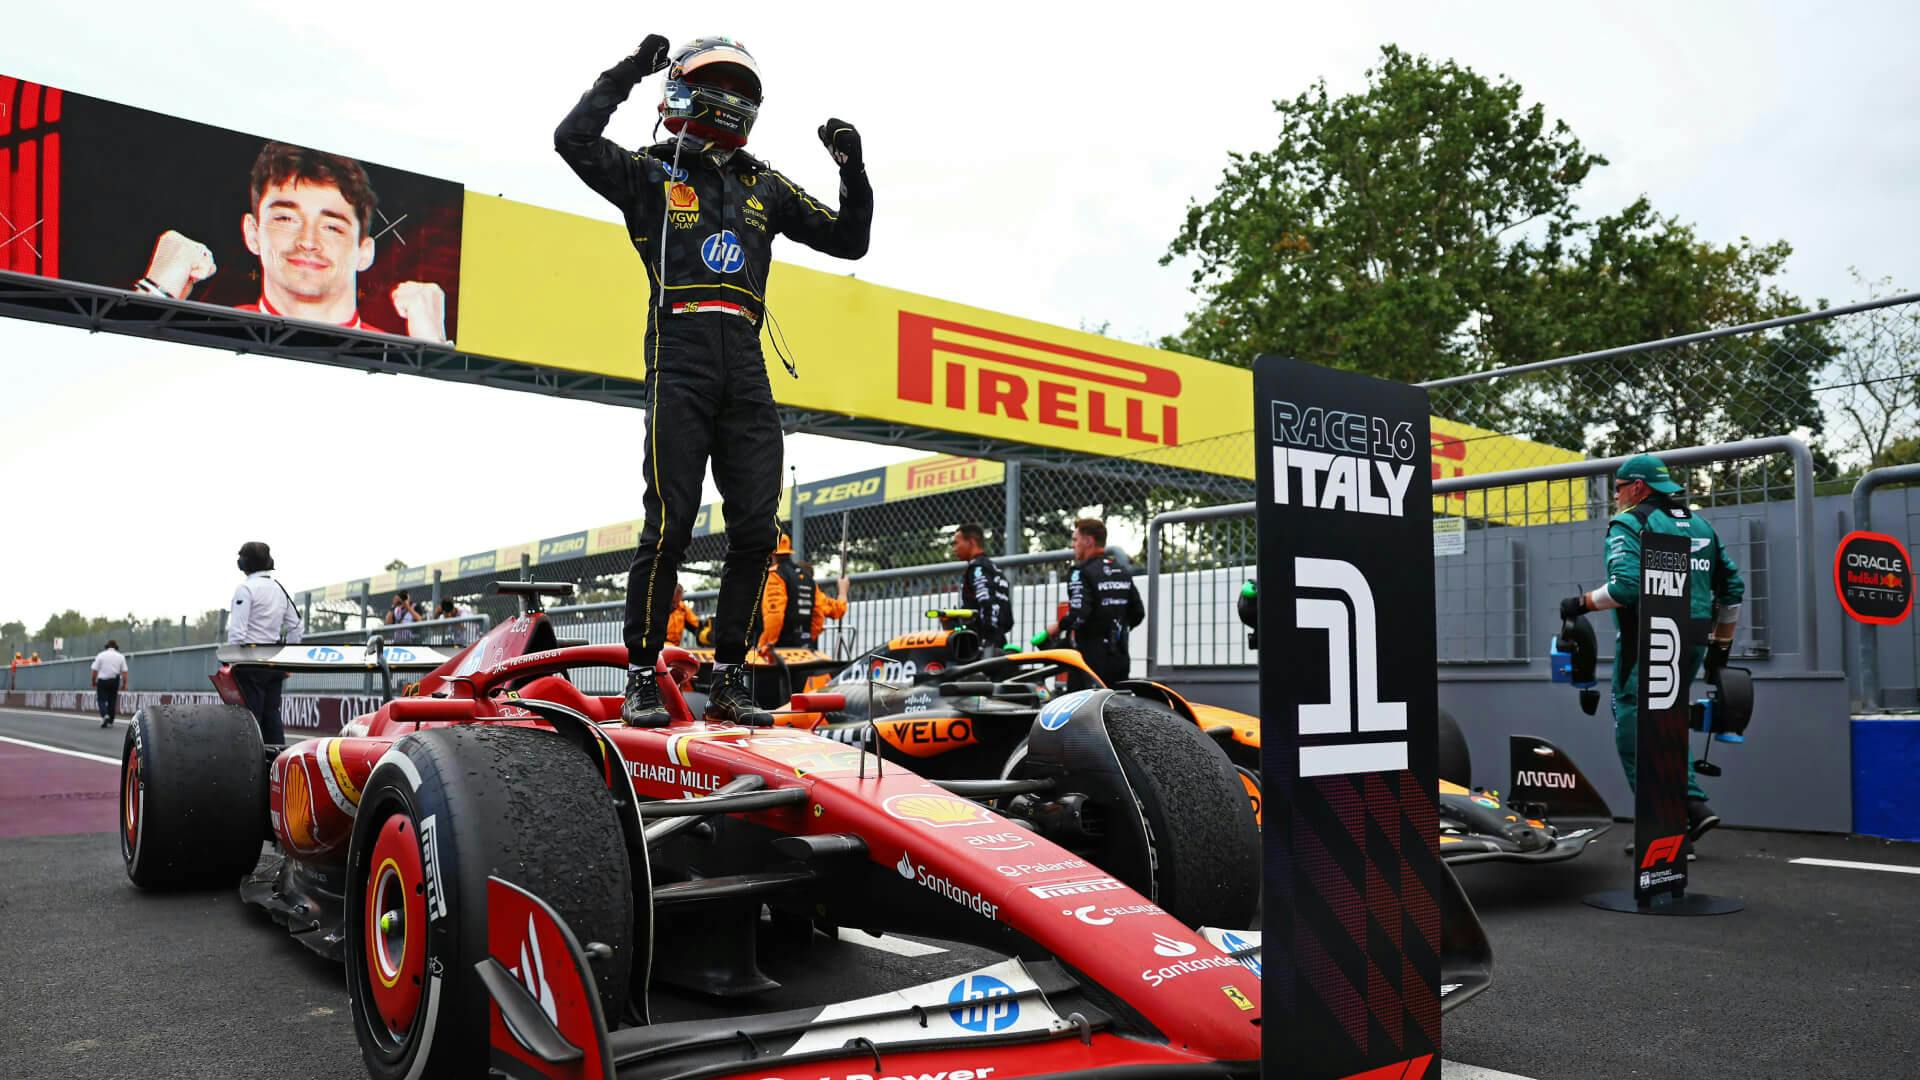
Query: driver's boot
x=731 y=699
x=1700 y=818
x=642 y=707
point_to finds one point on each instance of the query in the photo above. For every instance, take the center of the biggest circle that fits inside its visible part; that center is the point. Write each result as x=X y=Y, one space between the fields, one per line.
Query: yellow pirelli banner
x=884 y=354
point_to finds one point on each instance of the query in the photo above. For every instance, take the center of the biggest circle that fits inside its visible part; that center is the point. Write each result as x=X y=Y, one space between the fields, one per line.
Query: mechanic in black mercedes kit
x=1102 y=607
x=702 y=214
x=984 y=588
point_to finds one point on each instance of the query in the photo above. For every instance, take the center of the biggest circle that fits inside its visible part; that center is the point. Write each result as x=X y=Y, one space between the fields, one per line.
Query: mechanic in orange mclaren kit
x=702 y=214
x=793 y=610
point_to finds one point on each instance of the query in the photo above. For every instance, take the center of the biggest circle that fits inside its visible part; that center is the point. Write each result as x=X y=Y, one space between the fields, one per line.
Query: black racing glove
x=1573 y=607
x=650 y=57
x=843 y=142
x=1718 y=653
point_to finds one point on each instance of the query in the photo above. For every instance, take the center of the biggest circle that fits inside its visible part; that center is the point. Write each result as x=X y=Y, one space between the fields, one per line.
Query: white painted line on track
x=1453 y=1070
x=1843 y=864
x=101 y=758
x=888 y=943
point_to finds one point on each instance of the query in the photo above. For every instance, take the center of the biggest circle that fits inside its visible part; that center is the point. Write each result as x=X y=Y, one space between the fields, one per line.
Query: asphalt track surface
x=1820 y=976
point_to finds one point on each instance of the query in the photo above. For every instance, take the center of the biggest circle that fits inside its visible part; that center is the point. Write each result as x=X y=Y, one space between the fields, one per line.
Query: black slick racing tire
x=1456 y=761
x=1206 y=848
x=192 y=796
x=441 y=812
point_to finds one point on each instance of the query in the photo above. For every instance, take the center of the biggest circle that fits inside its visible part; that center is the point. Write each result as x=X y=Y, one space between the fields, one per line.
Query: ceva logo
x=1070 y=388
x=325 y=654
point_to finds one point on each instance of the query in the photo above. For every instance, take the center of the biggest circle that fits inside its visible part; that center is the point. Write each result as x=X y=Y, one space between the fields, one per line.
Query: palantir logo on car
x=984 y=1004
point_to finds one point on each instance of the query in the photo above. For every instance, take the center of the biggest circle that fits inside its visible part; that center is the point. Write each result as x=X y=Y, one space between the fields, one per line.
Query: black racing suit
x=707 y=383
x=1102 y=606
x=984 y=589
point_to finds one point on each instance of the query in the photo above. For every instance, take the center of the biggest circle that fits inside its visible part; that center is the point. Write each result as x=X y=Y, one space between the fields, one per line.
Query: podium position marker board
x=1666 y=655
x=1348 y=708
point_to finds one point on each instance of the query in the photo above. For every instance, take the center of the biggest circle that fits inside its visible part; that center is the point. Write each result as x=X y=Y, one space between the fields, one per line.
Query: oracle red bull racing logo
x=974 y=369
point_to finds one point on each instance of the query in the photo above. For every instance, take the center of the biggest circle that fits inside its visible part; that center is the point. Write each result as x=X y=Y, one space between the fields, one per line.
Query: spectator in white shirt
x=109 y=677
x=263 y=614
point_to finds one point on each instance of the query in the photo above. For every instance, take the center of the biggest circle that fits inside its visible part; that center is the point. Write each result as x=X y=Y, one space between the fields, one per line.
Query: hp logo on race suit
x=722 y=252
x=1663 y=662
x=325 y=654
x=984 y=1004
x=1353 y=674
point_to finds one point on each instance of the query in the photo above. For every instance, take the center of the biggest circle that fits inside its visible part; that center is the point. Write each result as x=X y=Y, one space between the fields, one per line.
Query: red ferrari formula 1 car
x=496 y=853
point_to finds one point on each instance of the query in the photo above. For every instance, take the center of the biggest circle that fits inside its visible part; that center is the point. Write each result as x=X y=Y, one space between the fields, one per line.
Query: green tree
x=12 y=633
x=1426 y=227
x=394 y=566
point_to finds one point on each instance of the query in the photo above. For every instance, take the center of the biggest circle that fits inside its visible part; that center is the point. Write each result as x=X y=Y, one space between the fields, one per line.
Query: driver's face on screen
x=309 y=243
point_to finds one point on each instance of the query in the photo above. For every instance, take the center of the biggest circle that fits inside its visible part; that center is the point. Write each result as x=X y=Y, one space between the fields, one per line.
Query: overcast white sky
x=1029 y=158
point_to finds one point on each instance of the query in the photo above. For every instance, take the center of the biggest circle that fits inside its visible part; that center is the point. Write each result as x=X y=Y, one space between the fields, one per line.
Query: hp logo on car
x=722 y=252
x=1235 y=943
x=984 y=1004
x=399 y=656
x=325 y=654
x=1055 y=714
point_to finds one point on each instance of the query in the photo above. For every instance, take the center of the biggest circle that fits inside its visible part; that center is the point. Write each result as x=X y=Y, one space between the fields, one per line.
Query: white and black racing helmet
x=713 y=91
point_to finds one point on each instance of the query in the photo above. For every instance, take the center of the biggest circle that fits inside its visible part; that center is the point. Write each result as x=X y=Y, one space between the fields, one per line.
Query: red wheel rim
x=395 y=925
x=133 y=792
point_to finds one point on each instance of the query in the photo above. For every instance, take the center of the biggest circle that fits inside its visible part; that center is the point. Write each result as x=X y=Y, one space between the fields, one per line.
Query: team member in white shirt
x=263 y=614
x=109 y=677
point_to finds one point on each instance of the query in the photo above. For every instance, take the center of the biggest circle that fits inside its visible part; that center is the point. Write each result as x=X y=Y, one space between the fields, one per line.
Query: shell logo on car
x=936 y=811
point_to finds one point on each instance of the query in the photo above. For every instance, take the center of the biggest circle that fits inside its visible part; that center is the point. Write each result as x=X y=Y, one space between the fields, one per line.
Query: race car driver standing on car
x=793 y=610
x=1102 y=607
x=1650 y=501
x=702 y=213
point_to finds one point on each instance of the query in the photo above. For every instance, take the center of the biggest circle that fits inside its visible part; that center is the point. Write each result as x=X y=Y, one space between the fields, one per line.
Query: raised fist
x=650 y=57
x=424 y=305
x=843 y=142
x=179 y=263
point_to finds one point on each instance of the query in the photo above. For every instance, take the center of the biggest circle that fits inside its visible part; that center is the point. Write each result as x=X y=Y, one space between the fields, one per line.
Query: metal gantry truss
x=99 y=309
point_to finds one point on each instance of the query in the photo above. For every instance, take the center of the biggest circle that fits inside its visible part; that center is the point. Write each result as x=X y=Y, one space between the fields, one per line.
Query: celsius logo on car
x=1055 y=714
x=325 y=654
x=1168 y=947
x=984 y=1004
x=1535 y=778
x=1093 y=915
x=722 y=252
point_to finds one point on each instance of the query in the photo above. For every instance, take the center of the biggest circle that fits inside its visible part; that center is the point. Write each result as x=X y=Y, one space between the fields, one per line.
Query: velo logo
x=722 y=252
x=1663 y=662
x=1353 y=675
x=984 y=1004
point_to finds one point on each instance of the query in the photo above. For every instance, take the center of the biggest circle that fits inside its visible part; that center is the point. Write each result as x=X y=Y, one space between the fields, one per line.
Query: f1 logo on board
x=1353 y=675
x=722 y=252
x=1664 y=850
x=1036 y=381
x=1663 y=660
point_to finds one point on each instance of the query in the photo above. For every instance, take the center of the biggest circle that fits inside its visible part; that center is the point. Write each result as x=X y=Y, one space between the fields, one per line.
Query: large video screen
x=107 y=194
